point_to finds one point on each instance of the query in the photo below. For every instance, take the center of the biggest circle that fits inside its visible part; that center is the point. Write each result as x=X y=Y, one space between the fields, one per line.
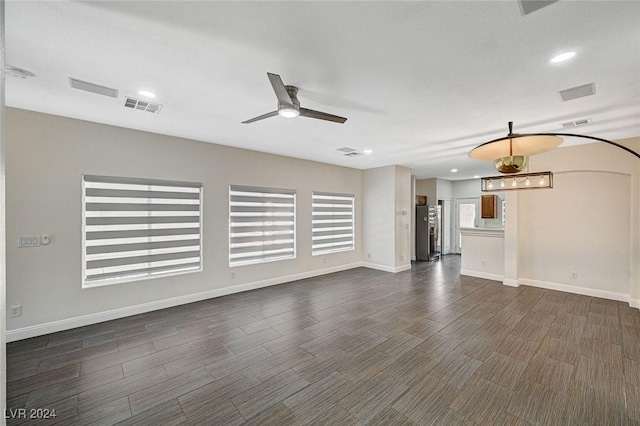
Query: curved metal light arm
x=574 y=135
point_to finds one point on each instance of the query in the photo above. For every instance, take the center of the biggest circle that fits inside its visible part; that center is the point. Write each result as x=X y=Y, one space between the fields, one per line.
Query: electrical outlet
x=368 y=255
x=232 y=275
x=574 y=275
x=324 y=260
x=483 y=262
x=401 y=257
x=15 y=311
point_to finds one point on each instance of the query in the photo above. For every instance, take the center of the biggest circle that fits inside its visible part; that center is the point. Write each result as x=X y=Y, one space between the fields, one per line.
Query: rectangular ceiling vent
x=353 y=154
x=578 y=92
x=346 y=149
x=530 y=6
x=141 y=105
x=576 y=123
x=93 y=88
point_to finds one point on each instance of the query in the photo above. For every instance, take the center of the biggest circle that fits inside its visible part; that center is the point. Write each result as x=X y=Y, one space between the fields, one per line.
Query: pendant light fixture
x=537 y=180
x=511 y=153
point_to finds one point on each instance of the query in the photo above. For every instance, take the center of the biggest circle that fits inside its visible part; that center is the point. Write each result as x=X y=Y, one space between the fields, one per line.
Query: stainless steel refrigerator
x=428 y=232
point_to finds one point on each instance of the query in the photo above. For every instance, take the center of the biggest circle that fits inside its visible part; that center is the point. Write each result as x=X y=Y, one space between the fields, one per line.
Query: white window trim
x=277 y=192
x=148 y=275
x=320 y=252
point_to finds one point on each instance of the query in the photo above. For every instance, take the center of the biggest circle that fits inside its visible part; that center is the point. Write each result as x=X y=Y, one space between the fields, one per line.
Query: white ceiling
x=420 y=82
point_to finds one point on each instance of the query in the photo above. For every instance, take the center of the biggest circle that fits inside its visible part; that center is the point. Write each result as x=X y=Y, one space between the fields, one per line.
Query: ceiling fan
x=289 y=105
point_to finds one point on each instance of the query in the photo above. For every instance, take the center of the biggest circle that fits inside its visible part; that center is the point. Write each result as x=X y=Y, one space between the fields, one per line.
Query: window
x=139 y=228
x=332 y=223
x=262 y=225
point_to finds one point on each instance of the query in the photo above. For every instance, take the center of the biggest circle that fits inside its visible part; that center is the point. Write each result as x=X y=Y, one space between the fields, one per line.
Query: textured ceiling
x=420 y=82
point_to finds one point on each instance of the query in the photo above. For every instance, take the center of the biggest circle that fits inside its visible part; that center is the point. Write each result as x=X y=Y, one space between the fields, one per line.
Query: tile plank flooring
x=425 y=346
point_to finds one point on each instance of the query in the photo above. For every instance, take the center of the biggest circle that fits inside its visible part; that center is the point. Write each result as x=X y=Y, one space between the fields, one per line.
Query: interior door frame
x=467 y=200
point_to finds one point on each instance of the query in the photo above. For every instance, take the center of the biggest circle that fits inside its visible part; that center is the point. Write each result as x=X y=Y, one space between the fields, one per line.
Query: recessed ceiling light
x=562 y=57
x=367 y=151
x=147 y=94
x=476 y=177
x=454 y=170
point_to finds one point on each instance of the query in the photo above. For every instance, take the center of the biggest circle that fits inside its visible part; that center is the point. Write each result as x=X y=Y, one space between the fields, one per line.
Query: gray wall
x=46 y=156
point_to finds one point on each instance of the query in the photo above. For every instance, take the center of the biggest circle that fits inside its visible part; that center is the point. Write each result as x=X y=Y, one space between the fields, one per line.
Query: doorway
x=466 y=217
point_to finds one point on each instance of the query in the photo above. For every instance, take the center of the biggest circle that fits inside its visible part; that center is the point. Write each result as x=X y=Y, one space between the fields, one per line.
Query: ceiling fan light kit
x=289 y=105
x=288 y=112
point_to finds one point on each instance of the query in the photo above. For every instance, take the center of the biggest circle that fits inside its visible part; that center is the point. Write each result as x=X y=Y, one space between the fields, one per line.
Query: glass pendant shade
x=511 y=164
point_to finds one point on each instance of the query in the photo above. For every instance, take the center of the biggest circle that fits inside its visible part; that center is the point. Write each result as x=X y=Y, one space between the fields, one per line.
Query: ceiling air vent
x=530 y=6
x=141 y=105
x=578 y=92
x=18 y=72
x=93 y=88
x=353 y=154
x=576 y=123
x=346 y=149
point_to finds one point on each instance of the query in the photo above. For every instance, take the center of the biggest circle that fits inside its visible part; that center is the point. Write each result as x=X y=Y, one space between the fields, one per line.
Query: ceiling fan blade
x=304 y=112
x=261 y=117
x=281 y=91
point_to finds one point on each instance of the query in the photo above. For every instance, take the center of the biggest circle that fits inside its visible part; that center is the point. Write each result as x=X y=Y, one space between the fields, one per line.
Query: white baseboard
x=84 y=320
x=402 y=268
x=480 y=274
x=585 y=291
x=634 y=303
x=385 y=268
x=510 y=283
x=413 y=258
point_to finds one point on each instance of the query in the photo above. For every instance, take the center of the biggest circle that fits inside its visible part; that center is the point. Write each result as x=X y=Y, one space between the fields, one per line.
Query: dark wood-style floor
x=425 y=346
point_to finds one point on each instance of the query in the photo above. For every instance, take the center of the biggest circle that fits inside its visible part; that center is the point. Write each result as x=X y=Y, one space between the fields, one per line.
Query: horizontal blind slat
x=106 y=207
x=238 y=189
x=337 y=239
x=264 y=229
x=102 y=235
x=140 y=181
x=261 y=248
x=263 y=258
x=125 y=193
x=94 y=264
x=320 y=203
x=262 y=200
x=266 y=239
x=141 y=246
x=133 y=220
x=259 y=209
x=145 y=271
x=332 y=217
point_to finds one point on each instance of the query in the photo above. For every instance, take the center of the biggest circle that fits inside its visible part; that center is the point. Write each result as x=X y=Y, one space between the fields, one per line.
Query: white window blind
x=261 y=224
x=139 y=228
x=332 y=223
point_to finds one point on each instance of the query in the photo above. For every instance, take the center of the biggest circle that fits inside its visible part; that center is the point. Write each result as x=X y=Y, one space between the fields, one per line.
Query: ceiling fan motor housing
x=293 y=94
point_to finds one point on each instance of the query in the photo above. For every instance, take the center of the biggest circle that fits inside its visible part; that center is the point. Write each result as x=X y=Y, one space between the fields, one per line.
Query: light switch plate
x=29 y=241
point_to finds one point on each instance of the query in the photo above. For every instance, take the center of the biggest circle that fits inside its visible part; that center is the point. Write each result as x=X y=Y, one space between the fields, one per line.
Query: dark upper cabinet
x=489 y=207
